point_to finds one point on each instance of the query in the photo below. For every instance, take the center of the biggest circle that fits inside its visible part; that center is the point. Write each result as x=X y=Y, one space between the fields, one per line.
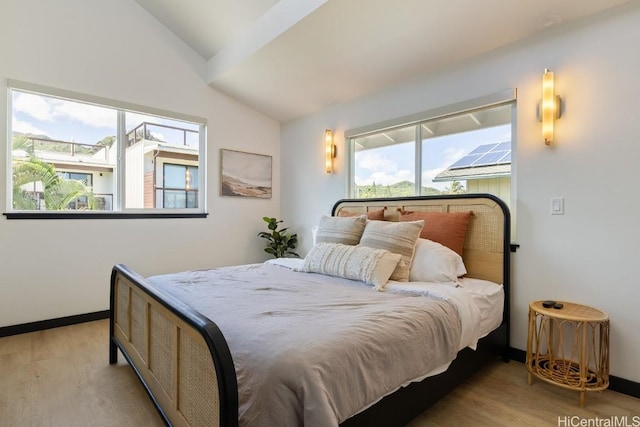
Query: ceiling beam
x=388 y=137
x=428 y=129
x=280 y=18
x=475 y=119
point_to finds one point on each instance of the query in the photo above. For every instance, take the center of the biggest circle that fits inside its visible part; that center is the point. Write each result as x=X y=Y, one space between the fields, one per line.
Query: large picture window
x=464 y=150
x=73 y=152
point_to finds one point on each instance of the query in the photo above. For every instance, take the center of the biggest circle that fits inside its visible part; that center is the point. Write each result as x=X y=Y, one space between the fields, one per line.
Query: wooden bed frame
x=183 y=360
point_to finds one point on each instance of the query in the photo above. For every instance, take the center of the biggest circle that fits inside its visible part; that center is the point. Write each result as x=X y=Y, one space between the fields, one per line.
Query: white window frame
x=504 y=97
x=118 y=200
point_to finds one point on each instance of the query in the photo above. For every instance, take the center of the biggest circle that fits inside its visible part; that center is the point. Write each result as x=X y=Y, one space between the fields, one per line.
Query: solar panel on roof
x=489 y=158
x=465 y=161
x=503 y=146
x=485 y=148
x=485 y=155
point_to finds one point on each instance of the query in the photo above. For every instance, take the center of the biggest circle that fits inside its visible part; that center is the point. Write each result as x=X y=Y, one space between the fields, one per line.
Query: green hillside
x=401 y=189
x=26 y=141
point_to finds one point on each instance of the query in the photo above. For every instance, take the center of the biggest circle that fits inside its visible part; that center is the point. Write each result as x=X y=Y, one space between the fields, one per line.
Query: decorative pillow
x=449 y=229
x=347 y=230
x=372 y=215
x=435 y=263
x=371 y=266
x=396 y=237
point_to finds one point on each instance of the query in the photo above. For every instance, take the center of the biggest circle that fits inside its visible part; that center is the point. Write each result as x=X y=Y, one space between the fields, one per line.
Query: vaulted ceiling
x=289 y=58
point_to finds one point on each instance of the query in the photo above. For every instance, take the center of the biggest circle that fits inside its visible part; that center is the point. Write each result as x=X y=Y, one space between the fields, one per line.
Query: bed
x=186 y=362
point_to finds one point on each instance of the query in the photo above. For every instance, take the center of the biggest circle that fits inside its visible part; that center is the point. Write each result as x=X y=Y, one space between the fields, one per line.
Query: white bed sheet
x=480 y=303
x=489 y=297
x=297 y=358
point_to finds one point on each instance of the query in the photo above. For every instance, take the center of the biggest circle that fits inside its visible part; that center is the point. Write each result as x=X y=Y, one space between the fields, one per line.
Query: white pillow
x=369 y=265
x=433 y=262
x=345 y=230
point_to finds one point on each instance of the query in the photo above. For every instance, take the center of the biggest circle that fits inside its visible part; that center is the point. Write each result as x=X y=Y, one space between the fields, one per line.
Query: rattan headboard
x=487 y=245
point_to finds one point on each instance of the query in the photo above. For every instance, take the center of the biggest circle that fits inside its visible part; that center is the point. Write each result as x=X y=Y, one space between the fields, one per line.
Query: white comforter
x=314 y=350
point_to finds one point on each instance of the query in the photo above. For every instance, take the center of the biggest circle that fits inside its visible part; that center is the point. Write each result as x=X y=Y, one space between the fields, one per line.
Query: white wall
x=589 y=254
x=114 y=49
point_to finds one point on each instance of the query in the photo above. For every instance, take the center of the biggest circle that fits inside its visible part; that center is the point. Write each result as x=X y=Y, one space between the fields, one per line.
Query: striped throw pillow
x=396 y=237
x=369 y=265
x=344 y=230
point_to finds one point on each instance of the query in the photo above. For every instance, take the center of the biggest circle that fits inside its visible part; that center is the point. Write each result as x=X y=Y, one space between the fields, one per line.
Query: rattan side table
x=569 y=347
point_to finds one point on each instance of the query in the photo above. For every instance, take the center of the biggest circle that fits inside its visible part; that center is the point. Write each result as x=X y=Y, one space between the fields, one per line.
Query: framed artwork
x=245 y=174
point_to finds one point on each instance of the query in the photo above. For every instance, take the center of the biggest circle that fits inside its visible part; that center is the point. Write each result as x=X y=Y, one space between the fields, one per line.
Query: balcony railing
x=73 y=149
x=145 y=130
x=102 y=201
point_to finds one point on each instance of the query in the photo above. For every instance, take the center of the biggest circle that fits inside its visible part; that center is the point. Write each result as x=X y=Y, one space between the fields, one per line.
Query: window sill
x=101 y=215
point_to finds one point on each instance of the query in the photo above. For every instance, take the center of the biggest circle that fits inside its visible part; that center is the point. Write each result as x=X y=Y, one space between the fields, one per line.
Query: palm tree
x=23 y=142
x=58 y=191
x=455 y=188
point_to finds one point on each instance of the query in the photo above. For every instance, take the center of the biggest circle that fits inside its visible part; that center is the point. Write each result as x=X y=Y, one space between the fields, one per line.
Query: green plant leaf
x=280 y=242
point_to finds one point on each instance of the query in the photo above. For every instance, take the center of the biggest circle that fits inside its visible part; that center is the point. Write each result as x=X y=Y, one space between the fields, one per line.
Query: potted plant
x=281 y=243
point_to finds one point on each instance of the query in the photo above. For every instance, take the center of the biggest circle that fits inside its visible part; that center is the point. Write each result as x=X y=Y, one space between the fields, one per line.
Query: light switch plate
x=557 y=206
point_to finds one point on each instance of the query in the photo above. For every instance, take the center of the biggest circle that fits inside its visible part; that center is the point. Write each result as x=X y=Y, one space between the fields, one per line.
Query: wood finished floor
x=61 y=377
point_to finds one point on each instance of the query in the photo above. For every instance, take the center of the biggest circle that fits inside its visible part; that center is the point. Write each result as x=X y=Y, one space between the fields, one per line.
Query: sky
x=82 y=123
x=394 y=163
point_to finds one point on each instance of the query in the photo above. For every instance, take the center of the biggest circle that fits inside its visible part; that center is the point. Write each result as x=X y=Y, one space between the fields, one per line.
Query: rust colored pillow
x=448 y=229
x=373 y=215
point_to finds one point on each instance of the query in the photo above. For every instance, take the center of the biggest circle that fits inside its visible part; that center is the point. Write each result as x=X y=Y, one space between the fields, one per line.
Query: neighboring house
x=160 y=174
x=486 y=169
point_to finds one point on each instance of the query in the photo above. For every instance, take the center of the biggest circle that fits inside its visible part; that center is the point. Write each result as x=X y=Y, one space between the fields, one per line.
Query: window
x=180 y=188
x=457 y=149
x=74 y=152
x=384 y=163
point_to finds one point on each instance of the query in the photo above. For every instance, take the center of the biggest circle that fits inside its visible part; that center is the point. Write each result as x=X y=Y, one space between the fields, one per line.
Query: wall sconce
x=330 y=150
x=550 y=106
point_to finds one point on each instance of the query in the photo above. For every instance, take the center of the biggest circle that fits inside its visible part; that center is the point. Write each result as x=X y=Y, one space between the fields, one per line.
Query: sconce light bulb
x=329 y=150
x=548 y=106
